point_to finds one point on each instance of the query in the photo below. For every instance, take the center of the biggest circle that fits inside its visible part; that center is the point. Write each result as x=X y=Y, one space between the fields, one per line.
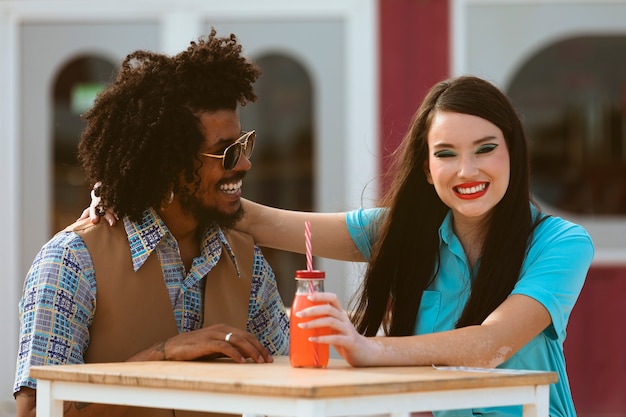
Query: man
x=169 y=281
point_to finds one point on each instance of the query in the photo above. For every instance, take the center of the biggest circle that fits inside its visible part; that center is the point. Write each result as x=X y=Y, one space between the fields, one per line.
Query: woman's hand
x=96 y=208
x=355 y=348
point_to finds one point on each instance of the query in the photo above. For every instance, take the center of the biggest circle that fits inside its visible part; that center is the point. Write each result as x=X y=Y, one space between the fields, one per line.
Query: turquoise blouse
x=553 y=273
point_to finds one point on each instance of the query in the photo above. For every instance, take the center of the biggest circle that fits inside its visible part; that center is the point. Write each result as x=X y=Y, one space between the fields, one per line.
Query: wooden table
x=277 y=389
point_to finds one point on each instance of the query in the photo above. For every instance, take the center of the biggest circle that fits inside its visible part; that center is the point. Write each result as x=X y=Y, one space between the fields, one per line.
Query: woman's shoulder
x=554 y=230
x=555 y=225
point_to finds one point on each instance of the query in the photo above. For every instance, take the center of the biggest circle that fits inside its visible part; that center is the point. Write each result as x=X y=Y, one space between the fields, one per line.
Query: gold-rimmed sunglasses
x=230 y=158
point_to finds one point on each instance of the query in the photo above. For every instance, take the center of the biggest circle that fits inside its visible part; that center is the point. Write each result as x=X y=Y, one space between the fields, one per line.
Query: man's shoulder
x=80 y=226
x=85 y=228
x=64 y=243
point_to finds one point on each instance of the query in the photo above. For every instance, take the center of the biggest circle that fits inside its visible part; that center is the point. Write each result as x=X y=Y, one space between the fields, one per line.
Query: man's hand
x=219 y=340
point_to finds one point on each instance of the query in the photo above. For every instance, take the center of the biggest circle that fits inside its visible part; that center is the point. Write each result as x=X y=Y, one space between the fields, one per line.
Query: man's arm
x=26 y=402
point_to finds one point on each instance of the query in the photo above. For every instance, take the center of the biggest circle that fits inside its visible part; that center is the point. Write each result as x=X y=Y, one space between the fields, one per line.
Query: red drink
x=302 y=352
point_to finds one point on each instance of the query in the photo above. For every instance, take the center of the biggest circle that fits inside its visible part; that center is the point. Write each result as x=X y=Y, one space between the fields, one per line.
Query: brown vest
x=133 y=309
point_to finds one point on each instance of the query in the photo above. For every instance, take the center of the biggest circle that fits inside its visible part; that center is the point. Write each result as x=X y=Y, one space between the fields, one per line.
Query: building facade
x=341 y=80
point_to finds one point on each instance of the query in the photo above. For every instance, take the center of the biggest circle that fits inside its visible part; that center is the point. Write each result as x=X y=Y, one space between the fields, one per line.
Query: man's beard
x=207 y=216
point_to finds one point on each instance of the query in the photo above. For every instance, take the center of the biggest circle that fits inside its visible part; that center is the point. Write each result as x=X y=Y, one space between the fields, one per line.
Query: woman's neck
x=471 y=234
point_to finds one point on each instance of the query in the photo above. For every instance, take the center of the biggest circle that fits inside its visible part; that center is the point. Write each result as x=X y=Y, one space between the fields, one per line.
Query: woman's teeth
x=471 y=190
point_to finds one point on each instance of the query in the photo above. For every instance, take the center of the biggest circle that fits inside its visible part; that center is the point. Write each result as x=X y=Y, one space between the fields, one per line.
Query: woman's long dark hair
x=405 y=258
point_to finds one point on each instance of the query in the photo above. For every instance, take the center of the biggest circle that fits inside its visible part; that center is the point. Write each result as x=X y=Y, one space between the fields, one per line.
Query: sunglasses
x=230 y=158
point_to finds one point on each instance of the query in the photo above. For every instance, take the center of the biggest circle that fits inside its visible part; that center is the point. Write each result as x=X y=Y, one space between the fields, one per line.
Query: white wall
x=8 y=212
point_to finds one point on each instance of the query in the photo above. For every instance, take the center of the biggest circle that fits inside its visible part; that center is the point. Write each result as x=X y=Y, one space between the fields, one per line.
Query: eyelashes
x=486 y=148
x=444 y=154
x=482 y=149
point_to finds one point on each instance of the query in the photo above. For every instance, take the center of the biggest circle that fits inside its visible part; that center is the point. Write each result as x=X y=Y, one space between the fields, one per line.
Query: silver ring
x=227 y=338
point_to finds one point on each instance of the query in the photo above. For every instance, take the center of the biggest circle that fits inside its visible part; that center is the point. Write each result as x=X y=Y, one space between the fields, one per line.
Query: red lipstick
x=471 y=190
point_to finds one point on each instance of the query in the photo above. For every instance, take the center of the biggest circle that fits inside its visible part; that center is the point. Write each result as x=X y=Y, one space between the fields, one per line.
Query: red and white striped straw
x=309 y=267
x=307 y=241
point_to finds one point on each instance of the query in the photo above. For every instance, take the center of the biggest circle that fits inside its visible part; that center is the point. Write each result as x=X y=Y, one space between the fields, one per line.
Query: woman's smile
x=470 y=191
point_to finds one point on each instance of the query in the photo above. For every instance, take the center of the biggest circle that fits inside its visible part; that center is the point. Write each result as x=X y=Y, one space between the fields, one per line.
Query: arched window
x=282 y=165
x=75 y=88
x=572 y=98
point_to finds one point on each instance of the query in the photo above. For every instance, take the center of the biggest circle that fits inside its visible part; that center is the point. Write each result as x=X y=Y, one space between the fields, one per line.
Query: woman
x=464 y=269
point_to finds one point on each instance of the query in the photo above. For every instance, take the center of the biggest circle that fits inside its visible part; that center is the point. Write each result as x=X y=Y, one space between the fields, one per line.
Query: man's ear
x=429 y=178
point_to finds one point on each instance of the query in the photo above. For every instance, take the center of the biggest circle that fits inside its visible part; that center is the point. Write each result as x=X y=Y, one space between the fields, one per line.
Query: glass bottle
x=302 y=352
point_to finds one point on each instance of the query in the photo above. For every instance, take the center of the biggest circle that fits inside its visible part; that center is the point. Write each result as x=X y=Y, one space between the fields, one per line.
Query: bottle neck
x=305 y=286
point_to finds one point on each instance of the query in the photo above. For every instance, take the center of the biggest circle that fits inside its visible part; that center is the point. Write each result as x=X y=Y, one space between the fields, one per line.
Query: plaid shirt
x=58 y=301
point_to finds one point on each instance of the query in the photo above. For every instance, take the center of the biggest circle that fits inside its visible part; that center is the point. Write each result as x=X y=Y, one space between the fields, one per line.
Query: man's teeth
x=231 y=188
x=471 y=190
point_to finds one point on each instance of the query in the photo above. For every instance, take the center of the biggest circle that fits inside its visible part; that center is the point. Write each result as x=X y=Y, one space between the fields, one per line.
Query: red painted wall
x=595 y=348
x=414 y=49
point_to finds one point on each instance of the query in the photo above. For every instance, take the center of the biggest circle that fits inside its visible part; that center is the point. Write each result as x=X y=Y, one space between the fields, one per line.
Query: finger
x=222 y=350
x=95 y=204
x=240 y=352
x=341 y=334
x=250 y=347
x=335 y=324
x=241 y=341
x=95 y=199
x=84 y=214
x=325 y=297
x=93 y=215
x=110 y=217
x=194 y=345
x=231 y=351
x=321 y=310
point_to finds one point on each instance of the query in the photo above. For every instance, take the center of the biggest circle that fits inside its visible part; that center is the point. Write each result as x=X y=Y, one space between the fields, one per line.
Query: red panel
x=414 y=55
x=595 y=348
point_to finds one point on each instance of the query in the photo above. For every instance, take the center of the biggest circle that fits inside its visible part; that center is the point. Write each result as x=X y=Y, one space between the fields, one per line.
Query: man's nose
x=243 y=164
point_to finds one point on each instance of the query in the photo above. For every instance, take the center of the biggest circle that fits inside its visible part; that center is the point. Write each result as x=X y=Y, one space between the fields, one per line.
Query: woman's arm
x=278 y=229
x=284 y=229
x=512 y=325
x=542 y=299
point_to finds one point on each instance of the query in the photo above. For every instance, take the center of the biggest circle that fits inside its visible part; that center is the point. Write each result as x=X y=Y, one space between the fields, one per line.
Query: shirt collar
x=446 y=231
x=146 y=234
x=449 y=238
x=230 y=252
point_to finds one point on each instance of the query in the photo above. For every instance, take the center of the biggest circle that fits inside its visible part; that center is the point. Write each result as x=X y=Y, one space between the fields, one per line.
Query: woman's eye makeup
x=447 y=153
x=444 y=154
x=486 y=148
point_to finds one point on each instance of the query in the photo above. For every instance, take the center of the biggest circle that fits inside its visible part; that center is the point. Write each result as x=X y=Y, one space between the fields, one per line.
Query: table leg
x=310 y=408
x=46 y=405
x=541 y=407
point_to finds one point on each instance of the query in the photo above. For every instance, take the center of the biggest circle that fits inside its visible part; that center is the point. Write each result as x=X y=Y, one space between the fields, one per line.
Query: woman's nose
x=467 y=167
